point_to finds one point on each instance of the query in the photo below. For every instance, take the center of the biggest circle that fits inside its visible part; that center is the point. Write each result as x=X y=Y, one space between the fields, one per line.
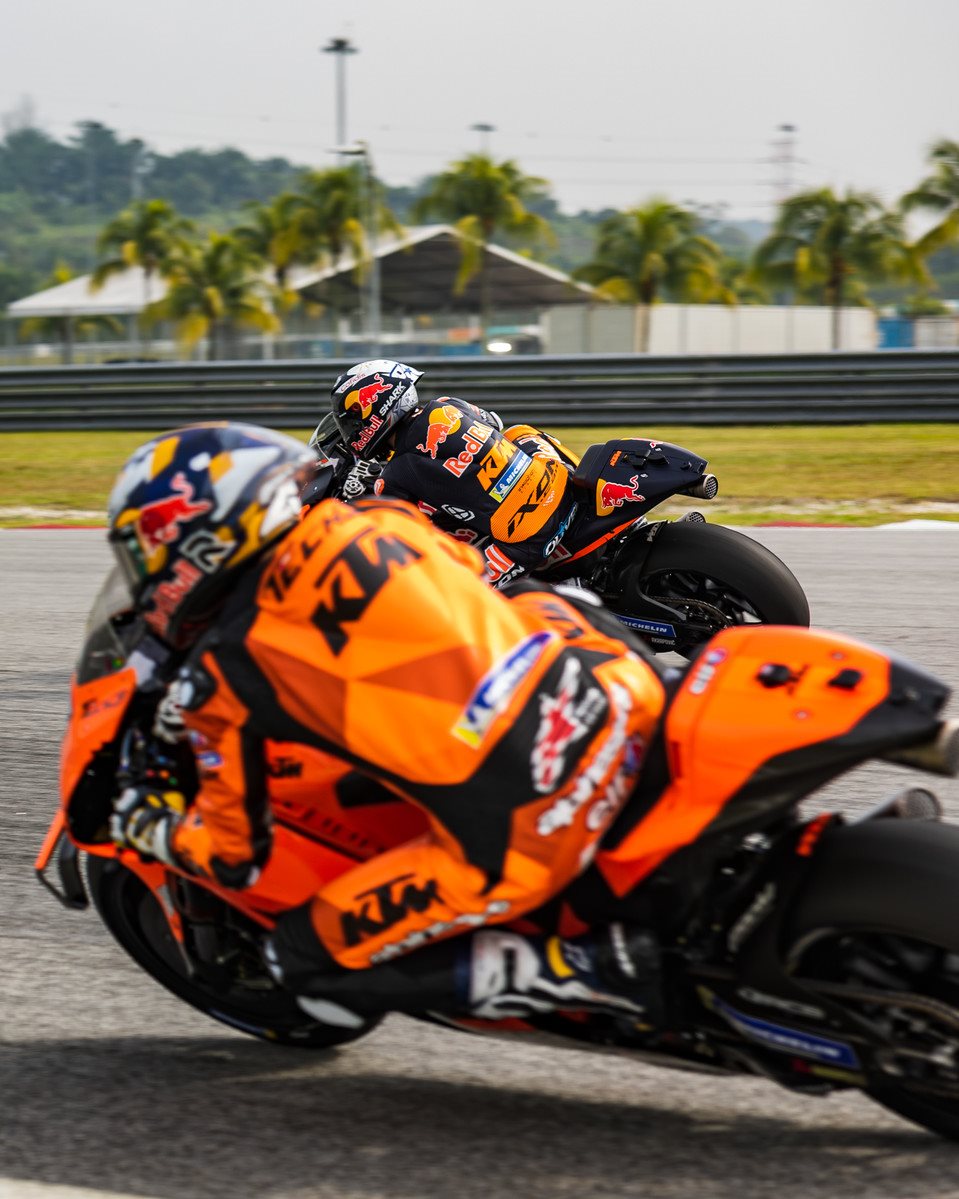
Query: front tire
x=242 y=997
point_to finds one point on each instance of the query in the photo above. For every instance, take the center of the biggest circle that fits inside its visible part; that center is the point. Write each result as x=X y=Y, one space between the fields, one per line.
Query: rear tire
x=253 y=1004
x=722 y=578
x=885 y=893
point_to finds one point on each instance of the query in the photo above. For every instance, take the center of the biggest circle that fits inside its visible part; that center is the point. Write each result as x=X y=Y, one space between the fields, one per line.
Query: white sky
x=612 y=100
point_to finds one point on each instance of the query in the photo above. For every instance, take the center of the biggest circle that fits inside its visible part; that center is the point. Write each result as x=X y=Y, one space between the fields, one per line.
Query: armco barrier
x=632 y=390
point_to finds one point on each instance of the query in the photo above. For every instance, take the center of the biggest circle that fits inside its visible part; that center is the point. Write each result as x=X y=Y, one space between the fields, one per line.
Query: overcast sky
x=611 y=100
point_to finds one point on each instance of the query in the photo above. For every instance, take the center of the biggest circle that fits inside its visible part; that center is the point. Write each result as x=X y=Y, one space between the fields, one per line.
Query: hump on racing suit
x=475 y=483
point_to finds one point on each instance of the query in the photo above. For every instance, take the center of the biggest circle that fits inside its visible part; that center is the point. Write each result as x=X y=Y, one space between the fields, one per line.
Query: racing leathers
x=516 y=724
x=509 y=496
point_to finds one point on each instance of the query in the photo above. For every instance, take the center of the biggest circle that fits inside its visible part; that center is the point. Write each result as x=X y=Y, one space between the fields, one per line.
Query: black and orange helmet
x=191 y=508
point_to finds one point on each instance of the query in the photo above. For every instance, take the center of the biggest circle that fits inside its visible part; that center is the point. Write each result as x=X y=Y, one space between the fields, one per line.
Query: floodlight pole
x=361 y=149
x=484 y=130
x=341 y=47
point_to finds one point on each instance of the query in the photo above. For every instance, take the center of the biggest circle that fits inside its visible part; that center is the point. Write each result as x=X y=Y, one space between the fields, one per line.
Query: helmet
x=370 y=400
x=191 y=508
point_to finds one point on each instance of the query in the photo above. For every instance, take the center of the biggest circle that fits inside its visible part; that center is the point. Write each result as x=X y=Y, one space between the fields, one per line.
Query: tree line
x=824 y=247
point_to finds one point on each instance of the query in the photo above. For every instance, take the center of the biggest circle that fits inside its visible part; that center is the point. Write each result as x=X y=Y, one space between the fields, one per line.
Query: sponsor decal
x=442 y=423
x=499 y=568
x=501 y=489
x=657 y=628
x=206 y=550
x=353 y=579
x=497 y=687
x=565 y=718
x=366 y=434
x=209 y=761
x=284 y=767
x=363 y=397
x=384 y=906
x=553 y=543
x=614 y=495
x=473 y=440
x=170 y=594
x=159 y=523
x=785 y=1040
x=461 y=514
x=586 y=787
x=378 y=487
x=93 y=707
x=425 y=508
x=495 y=908
x=706 y=670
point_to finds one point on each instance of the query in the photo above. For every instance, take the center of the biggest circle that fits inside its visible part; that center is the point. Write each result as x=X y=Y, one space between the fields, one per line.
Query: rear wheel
x=875 y=933
x=236 y=990
x=717 y=577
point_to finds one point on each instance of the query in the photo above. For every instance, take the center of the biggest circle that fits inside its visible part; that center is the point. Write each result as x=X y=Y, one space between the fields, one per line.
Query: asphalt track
x=109 y=1086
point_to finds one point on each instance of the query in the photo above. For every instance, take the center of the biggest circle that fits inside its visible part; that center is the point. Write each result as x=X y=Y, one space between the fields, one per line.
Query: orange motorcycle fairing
x=755 y=694
x=96 y=710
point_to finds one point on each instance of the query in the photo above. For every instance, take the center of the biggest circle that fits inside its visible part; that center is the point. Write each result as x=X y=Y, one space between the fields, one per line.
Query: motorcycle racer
x=516 y=723
x=506 y=493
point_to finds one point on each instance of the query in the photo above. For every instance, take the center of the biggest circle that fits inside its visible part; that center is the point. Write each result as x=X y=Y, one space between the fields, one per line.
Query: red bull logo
x=159 y=522
x=363 y=397
x=614 y=495
x=443 y=422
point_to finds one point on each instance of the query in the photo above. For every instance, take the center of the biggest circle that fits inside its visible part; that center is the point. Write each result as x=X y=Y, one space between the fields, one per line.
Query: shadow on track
x=213 y=1117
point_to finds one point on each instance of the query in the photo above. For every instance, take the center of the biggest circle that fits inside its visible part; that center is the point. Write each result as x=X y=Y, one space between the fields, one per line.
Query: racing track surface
x=110 y=1085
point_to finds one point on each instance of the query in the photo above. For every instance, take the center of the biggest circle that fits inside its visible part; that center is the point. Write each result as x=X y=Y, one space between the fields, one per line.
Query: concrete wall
x=704 y=329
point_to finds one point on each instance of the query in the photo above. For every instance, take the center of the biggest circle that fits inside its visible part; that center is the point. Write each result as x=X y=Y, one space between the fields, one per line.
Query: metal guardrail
x=628 y=389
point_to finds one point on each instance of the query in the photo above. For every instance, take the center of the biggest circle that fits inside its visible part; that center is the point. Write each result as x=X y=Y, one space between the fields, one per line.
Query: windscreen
x=112 y=630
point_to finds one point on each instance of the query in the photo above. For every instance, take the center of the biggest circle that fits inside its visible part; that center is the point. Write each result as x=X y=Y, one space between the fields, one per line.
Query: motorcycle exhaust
x=706 y=489
x=939 y=755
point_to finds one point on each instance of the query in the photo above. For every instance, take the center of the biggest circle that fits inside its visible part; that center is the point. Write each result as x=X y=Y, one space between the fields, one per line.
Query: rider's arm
x=226 y=834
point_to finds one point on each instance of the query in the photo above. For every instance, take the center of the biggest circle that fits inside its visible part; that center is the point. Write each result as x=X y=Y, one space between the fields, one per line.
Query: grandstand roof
x=417 y=273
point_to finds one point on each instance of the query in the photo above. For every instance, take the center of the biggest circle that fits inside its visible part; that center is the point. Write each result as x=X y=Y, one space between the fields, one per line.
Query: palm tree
x=480 y=198
x=213 y=288
x=66 y=329
x=939 y=192
x=828 y=247
x=276 y=232
x=655 y=251
x=333 y=212
x=148 y=234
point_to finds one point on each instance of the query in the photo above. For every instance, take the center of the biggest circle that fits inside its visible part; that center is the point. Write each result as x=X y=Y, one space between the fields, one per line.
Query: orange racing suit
x=516 y=724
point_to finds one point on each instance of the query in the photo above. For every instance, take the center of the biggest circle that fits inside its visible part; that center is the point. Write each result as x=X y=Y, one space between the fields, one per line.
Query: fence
x=624 y=390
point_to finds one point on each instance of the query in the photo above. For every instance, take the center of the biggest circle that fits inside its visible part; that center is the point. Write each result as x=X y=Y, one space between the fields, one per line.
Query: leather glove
x=168 y=723
x=144 y=819
x=361 y=478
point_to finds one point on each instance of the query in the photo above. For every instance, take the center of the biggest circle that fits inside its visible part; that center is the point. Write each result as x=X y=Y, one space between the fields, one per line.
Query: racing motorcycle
x=675 y=583
x=820 y=953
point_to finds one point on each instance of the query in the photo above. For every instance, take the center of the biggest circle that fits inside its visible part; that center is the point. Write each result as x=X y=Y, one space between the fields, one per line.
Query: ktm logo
x=383 y=907
x=352 y=581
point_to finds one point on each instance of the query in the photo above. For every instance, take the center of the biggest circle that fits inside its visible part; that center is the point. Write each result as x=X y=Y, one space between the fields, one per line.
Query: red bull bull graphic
x=363 y=397
x=159 y=522
x=442 y=422
x=614 y=495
